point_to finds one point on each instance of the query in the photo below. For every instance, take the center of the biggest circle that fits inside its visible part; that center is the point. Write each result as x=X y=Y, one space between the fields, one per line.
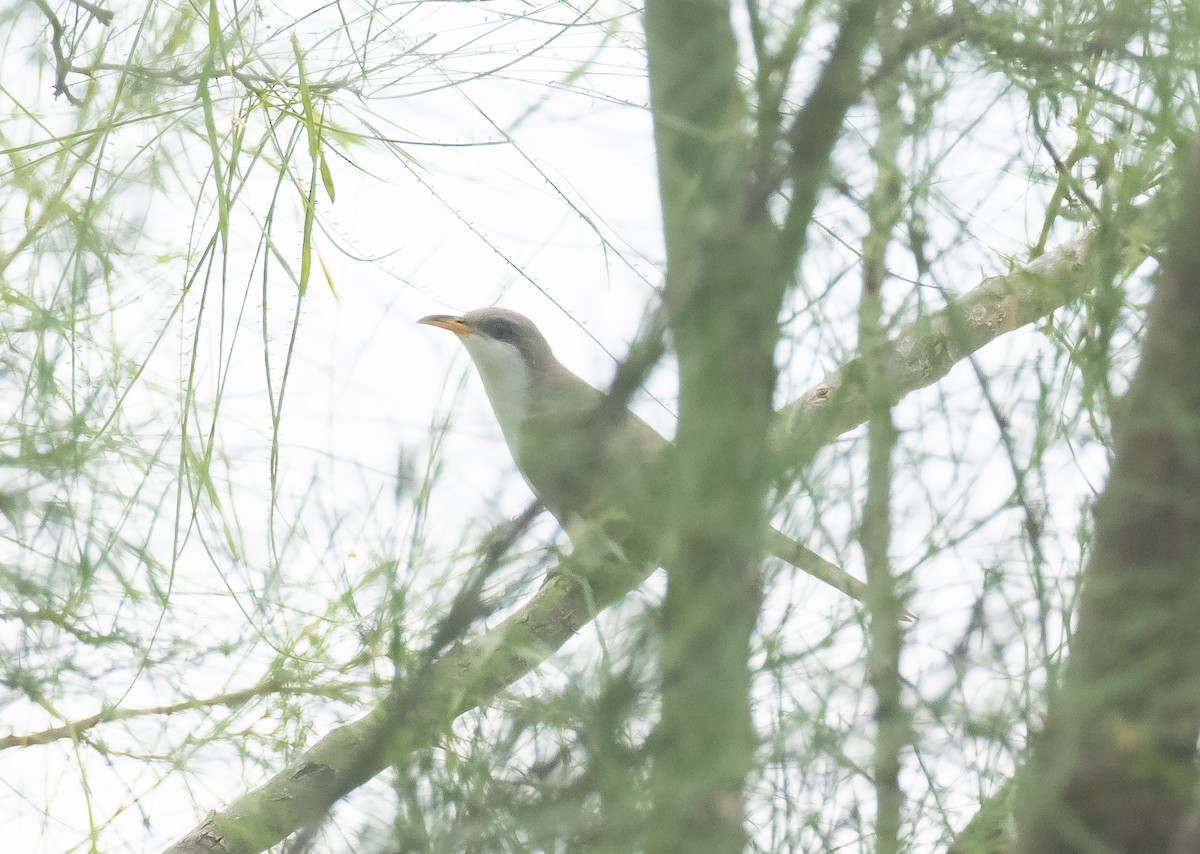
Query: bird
x=588 y=473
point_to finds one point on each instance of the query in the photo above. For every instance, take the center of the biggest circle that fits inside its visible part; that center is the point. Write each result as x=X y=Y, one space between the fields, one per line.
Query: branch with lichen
x=468 y=674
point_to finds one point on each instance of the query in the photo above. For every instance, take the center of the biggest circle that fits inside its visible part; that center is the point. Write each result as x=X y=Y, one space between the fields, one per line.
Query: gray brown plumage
x=610 y=475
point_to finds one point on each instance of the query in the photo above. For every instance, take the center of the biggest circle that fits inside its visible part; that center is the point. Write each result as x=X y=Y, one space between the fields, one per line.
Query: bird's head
x=509 y=352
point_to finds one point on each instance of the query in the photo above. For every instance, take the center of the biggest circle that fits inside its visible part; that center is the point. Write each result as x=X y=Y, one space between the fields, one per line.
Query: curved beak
x=448 y=321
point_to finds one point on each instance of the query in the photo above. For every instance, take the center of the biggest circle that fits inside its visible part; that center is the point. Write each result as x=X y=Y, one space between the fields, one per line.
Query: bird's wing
x=613 y=473
x=583 y=463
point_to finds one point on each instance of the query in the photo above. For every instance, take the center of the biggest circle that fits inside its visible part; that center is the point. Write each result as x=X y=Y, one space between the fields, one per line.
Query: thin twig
x=73 y=729
x=62 y=65
x=104 y=16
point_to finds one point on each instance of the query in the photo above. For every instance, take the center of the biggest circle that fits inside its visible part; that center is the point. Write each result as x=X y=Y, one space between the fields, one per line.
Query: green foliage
x=194 y=589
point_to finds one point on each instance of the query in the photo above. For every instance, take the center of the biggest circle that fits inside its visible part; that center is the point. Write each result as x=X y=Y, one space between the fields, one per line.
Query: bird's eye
x=501 y=330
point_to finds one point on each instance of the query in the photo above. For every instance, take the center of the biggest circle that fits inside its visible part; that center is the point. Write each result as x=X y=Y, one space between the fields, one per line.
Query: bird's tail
x=802 y=557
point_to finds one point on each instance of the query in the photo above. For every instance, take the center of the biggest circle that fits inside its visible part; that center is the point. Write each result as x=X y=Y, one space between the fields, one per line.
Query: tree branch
x=925 y=351
x=471 y=673
x=104 y=16
x=74 y=729
x=62 y=63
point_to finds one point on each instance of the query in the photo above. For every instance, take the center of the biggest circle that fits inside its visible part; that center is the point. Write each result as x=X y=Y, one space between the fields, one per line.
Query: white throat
x=506 y=380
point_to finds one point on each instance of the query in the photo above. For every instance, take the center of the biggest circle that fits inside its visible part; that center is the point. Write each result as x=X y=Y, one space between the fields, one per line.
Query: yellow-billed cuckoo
x=612 y=475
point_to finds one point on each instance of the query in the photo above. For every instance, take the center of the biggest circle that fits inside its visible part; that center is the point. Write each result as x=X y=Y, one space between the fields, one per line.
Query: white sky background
x=561 y=223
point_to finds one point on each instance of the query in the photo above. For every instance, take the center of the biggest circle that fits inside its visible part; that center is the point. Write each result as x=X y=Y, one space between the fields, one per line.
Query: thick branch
x=465 y=677
x=925 y=351
x=473 y=672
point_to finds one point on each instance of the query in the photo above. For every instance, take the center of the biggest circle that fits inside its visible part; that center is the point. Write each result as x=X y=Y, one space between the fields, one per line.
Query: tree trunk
x=1114 y=769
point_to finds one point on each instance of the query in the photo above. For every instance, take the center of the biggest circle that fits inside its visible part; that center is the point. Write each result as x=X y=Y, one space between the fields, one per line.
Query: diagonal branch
x=925 y=351
x=471 y=673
